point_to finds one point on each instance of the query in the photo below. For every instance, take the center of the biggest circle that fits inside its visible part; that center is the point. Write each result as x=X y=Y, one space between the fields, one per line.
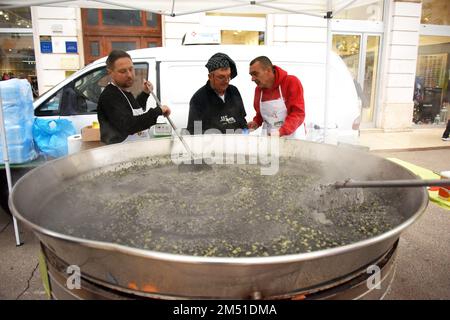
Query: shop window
x=105 y=30
x=92 y=17
x=431 y=89
x=95 y=48
x=435 y=12
x=110 y=18
x=348 y=48
x=252 y=23
x=123 y=45
x=17 y=58
x=122 y=18
x=371 y=10
x=242 y=37
x=152 y=20
x=15 y=18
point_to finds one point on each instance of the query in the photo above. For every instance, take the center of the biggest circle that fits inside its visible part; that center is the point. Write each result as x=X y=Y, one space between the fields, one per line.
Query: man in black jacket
x=217 y=105
x=121 y=115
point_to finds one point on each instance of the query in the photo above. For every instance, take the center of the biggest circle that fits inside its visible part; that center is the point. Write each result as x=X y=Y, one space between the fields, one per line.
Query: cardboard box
x=89 y=133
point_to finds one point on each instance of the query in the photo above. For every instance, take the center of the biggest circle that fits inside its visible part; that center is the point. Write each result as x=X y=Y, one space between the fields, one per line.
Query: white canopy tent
x=174 y=8
x=325 y=9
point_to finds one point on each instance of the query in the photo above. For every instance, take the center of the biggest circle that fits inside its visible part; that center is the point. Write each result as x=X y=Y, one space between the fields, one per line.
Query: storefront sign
x=46 y=44
x=71 y=47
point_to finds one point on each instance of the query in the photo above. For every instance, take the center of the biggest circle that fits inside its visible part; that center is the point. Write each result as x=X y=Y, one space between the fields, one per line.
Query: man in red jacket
x=278 y=99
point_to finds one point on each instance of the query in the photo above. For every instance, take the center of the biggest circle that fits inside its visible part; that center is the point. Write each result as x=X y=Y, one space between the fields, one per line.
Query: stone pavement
x=416 y=139
x=19 y=272
x=423 y=260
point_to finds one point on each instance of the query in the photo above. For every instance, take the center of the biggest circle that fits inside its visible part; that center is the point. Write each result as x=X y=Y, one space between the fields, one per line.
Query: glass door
x=370 y=76
x=360 y=53
x=348 y=47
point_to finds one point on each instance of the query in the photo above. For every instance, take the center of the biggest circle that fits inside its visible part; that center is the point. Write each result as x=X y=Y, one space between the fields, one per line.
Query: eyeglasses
x=223 y=78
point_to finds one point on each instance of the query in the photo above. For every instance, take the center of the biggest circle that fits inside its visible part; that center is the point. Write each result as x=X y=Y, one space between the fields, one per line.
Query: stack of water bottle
x=18 y=117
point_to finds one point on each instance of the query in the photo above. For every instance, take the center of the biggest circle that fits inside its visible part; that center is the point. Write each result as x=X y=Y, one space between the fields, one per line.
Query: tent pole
x=329 y=16
x=172 y=13
x=7 y=168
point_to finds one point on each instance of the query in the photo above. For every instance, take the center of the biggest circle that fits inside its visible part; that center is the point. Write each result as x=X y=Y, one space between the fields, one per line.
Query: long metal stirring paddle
x=203 y=165
x=392 y=183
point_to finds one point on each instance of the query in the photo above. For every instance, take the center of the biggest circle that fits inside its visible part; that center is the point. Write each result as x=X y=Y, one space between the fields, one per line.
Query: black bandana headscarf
x=221 y=60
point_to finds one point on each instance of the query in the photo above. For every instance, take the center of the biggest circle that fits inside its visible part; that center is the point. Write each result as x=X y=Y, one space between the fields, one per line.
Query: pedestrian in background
x=445 y=135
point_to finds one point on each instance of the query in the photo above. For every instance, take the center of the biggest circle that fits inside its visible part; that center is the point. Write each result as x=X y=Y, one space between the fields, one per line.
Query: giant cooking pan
x=159 y=274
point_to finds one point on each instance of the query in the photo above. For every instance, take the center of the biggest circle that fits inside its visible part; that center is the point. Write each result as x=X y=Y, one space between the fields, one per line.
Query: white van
x=177 y=73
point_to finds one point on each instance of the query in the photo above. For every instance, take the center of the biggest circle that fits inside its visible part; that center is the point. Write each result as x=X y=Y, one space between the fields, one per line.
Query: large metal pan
x=158 y=274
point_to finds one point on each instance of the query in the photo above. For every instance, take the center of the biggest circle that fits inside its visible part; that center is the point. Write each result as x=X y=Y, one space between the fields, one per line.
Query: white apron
x=142 y=135
x=274 y=113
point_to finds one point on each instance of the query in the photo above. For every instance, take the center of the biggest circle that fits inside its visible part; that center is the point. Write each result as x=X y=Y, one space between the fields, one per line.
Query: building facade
x=398 y=52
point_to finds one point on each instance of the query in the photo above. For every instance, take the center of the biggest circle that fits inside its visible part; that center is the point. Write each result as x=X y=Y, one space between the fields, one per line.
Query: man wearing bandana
x=217 y=105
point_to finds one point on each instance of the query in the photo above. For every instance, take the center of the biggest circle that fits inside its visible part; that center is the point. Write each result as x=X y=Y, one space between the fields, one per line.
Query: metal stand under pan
x=370 y=282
